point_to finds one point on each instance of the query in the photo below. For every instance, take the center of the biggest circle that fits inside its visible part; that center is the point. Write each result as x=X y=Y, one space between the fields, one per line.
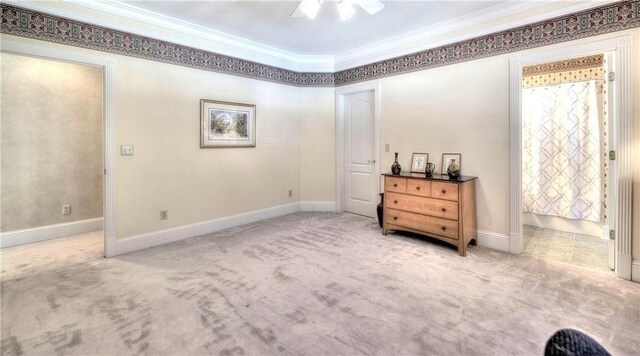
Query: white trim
x=110 y=152
x=376 y=87
x=493 y=240
x=67 y=54
x=622 y=121
x=325 y=206
x=178 y=31
x=635 y=271
x=146 y=240
x=43 y=233
x=605 y=232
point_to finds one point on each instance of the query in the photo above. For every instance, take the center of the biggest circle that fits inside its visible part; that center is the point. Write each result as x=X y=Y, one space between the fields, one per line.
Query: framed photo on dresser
x=448 y=158
x=419 y=162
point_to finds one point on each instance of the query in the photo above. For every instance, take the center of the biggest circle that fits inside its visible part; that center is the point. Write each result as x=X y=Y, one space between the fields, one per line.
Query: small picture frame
x=419 y=162
x=446 y=160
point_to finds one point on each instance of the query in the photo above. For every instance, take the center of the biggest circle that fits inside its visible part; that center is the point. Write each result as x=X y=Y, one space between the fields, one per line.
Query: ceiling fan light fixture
x=310 y=8
x=345 y=9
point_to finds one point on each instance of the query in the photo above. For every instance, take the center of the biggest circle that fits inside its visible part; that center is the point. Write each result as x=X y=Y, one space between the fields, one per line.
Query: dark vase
x=453 y=171
x=380 y=209
x=395 y=167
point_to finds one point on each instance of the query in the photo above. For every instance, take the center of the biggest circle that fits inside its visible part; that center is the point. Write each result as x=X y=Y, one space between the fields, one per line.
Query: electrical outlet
x=387 y=147
x=164 y=214
x=66 y=209
x=290 y=193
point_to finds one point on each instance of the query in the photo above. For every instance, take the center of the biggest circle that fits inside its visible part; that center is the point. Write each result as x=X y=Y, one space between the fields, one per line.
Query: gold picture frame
x=227 y=124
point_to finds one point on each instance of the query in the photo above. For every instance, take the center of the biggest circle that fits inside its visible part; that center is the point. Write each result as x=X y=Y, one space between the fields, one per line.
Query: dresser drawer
x=428 y=224
x=419 y=187
x=434 y=207
x=398 y=185
x=443 y=190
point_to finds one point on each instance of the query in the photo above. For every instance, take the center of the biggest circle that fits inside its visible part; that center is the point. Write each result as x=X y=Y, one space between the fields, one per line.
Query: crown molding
x=178 y=31
x=422 y=39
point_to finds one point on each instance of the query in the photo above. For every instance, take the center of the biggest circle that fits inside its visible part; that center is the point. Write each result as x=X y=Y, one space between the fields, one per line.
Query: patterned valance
x=565 y=71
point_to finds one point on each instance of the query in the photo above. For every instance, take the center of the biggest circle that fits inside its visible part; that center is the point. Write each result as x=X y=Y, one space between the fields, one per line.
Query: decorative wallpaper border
x=31 y=24
x=600 y=20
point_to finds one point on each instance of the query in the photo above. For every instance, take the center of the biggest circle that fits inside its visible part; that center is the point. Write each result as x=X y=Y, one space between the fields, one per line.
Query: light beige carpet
x=303 y=284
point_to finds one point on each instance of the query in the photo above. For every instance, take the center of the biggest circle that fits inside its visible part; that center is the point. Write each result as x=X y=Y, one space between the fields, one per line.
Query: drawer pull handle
x=418 y=188
x=395 y=185
x=395 y=218
x=444 y=191
x=444 y=228
x=443 y=210
x=395 y=202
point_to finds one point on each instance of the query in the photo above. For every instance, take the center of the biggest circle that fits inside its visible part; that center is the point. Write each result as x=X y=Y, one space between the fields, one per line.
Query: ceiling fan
x=310 y=8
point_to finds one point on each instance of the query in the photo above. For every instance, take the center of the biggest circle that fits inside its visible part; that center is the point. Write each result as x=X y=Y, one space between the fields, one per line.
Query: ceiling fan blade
x=370 y=6
x=298 y=11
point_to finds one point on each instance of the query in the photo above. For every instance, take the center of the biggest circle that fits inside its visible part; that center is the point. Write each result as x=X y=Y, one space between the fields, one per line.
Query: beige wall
x=158 y=112
x=318 y=146
x=459 y=108
x=51 y=133
x=465 y=108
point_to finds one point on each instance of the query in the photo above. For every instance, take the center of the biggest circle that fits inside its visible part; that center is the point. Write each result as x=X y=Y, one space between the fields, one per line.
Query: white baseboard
x=635 y=271
x=493 y=240
x=142 y=241
x=328 y=206
x=42 y=233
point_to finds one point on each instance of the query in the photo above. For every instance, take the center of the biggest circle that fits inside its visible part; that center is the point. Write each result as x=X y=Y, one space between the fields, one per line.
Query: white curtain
x=561 y=151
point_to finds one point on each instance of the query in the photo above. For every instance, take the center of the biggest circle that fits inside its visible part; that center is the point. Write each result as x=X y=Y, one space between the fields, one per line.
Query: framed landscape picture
x=225 y=124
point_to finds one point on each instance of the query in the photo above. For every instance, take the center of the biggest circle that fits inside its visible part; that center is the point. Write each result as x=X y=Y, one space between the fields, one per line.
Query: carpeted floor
x=303 y=284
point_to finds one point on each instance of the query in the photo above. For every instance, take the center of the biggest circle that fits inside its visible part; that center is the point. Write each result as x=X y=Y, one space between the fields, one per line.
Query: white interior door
x=360 y=180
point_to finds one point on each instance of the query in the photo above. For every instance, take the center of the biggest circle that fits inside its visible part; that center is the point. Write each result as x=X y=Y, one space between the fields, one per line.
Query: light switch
x=126 y=150
x=386 y=147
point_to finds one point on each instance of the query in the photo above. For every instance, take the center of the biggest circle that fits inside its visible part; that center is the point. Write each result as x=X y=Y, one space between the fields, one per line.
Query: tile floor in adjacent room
x=577 y=249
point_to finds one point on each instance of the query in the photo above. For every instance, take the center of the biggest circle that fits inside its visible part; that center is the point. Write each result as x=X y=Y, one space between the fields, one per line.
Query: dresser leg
x=384 y=231
x=462 y=250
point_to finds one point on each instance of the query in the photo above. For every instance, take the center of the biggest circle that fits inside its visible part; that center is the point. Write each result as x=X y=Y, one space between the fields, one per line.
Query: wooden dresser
x=438 y=207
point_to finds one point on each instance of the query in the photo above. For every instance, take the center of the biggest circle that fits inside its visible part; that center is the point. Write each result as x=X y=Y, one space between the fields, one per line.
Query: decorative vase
x=395 y=167
x=453 y=170
x=380 y=209
x=429 y=169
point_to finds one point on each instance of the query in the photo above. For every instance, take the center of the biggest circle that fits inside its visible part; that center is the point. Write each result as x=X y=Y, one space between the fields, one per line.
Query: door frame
x=46 y=51
x=374 y=87
x=622 y=118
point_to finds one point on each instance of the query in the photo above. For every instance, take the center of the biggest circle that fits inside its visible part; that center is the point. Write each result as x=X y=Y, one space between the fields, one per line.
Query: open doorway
x=52 y=152
x=620 y=121
x=565 y=161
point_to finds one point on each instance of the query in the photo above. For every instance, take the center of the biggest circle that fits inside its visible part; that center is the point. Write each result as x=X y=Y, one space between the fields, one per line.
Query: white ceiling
x=269 y=23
